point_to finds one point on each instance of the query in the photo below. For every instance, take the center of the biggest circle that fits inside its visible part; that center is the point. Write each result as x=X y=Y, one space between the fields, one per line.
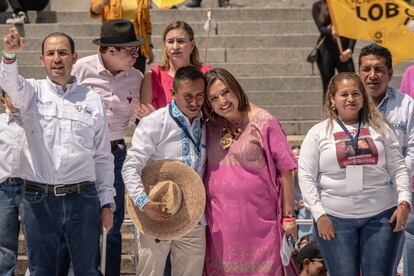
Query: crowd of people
x=210 y=177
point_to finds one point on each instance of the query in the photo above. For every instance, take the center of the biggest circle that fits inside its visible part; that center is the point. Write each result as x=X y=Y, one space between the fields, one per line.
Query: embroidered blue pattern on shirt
x=196 y=133
x=142 y=200
x=390 y=94
x=400 y=126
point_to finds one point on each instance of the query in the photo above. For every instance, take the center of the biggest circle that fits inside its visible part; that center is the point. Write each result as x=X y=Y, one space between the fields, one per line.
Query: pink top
x=120 y=93
x=244 y=199
x=407 y=87
x=162 y=82
x=407 y=82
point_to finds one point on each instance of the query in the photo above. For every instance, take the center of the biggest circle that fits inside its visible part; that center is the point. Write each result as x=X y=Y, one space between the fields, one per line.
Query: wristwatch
x=111 y=206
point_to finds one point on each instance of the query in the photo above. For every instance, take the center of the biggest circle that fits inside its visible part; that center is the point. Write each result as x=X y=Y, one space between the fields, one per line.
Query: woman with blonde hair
x=178 y=50
x=358 y=212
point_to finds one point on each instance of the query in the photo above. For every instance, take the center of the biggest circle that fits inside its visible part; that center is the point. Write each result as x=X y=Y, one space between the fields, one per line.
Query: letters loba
x=379 y=11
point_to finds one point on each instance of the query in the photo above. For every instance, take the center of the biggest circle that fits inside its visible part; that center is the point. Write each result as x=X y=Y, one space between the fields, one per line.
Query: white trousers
x=187 y=254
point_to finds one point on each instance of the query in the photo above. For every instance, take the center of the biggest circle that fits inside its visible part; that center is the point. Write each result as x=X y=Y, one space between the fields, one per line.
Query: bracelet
x=405 y=204
x=288 y=219
x=289 y=214
x=9 y=55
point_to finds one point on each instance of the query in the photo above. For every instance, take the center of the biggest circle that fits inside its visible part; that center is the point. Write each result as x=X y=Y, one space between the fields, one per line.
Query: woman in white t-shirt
x=345 y=169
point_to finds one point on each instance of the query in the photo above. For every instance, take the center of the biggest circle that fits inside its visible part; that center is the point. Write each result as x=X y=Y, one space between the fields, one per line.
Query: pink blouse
x=162 y=82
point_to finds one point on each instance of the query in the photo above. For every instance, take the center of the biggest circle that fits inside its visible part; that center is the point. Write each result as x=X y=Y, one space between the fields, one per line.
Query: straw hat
x=181 y=189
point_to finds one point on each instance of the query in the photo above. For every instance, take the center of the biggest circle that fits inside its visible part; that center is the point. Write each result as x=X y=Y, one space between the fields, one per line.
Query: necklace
x=229 y=135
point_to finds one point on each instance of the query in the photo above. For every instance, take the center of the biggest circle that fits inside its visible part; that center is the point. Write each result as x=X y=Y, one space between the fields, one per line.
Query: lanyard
x=197 y=145
x=354 y=140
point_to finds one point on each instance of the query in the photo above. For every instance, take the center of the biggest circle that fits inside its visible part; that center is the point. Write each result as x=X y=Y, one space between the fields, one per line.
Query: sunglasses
x=133 y=51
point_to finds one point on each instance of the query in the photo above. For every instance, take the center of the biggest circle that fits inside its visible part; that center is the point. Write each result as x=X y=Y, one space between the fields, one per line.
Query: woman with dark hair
x=249 y=184
x=358 y=212
x=329 y=56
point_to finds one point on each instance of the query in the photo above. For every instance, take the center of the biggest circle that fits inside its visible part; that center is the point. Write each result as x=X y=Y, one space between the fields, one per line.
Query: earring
x=333 y=108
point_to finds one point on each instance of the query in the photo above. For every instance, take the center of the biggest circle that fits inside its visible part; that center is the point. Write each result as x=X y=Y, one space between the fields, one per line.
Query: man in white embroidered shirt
x=375 y=70
x=66 y=162
x=173 y=132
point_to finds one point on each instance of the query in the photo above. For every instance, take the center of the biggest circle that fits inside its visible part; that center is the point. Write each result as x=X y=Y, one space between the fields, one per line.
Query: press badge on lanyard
x=353 y=172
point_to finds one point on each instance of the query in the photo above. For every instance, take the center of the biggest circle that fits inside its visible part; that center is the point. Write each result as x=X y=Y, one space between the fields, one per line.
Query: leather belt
x=117 y=142
x=12 y=181
x=59 y=190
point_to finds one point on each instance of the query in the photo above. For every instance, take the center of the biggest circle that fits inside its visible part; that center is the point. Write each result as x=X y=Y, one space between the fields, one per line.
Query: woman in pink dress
x=249 y=184
x=179 y=49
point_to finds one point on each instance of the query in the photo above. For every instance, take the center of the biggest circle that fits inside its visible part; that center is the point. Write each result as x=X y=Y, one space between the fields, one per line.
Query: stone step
x=128 y=244
x=295 y=112
x=229 y=59
x=298 y=127
x=219 y=41
x=229 y=55
x=286 y=98
x=217 y=28
x=197 y=15
x=80 y=5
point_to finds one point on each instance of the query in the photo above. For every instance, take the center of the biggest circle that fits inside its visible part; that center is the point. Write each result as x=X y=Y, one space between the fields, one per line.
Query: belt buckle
x=55 y=190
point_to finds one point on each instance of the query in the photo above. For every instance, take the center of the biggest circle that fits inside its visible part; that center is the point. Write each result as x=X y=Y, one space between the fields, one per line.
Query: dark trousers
x=327 y=65
x=49 y=219
x=10 y=206
x=114 y=238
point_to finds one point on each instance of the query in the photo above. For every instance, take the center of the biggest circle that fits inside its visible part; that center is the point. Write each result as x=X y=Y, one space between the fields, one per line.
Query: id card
x=354 y=178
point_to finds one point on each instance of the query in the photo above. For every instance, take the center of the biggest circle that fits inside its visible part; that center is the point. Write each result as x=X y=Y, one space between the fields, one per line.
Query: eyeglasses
x=133 y=51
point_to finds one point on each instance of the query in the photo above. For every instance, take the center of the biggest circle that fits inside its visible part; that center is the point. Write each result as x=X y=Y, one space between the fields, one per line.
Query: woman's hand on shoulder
x=326 y=228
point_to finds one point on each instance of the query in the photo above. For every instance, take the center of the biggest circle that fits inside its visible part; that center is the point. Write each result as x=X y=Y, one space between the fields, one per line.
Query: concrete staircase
x=264 y=43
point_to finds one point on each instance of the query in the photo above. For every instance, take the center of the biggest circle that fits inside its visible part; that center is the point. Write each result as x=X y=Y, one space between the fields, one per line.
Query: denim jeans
x=366 y=245
x=47 y=218
x=114 y=238
x=408 y=254
x=10 y=204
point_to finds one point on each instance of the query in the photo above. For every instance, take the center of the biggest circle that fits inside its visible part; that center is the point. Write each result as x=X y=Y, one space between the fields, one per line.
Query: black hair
x=55 y=34
x=377 y=50
x=188 y=73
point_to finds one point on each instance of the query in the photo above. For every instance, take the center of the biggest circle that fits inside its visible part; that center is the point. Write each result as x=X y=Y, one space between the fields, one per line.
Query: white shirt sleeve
x=143 y=146
x=308 y=174
x=409 y=140
x=396 y=166
x=104 y=162
x=19 y=89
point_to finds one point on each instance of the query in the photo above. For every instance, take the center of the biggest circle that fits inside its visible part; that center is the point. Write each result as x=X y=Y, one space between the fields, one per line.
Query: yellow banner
x=381 y=21
x=167 y=3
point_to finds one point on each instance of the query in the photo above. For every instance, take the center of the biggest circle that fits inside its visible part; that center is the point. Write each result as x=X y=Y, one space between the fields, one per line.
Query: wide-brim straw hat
x=192 y=204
